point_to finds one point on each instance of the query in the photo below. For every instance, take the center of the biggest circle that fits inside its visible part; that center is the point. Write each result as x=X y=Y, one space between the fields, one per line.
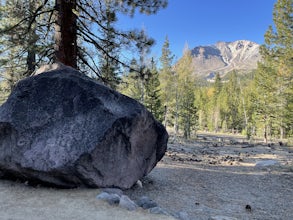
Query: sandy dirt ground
x=211 y=178
x=21 y=202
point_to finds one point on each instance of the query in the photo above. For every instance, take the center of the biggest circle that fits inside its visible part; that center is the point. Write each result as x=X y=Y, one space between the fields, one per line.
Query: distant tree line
x=257 y=104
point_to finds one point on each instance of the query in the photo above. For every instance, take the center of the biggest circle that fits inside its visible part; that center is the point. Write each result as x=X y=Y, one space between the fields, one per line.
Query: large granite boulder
x=63 y=128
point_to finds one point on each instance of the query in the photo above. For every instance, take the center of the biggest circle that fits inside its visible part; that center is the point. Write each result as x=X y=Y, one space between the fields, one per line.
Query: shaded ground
x=211 y=178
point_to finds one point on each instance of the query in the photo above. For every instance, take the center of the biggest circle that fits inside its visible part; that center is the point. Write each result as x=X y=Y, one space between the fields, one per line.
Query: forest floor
x=211 y=178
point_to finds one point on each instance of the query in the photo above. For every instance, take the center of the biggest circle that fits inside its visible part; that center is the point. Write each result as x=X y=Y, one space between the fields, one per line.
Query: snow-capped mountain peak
x=226 y=56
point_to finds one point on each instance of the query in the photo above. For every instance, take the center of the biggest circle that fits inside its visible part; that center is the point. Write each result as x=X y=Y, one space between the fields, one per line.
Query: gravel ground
x=212 y=178
x=216 y=178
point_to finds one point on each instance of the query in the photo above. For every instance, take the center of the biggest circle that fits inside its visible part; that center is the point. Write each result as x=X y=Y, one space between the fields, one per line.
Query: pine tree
x=264 y=100
x=152 y=93
x=233 y=111
x=167 y=80
x=201 y=100
x=22 y=36
x=216 y=116
x=108 y=58
x=248 y=93
x=218 y=84
x=131 y=85
x=186 y=87
x=91 y=13
x=275 y=75
x=74 y=21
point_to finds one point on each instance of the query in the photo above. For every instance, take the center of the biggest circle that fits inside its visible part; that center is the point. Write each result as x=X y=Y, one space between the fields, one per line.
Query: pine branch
x=5 y=31
x=87 y=38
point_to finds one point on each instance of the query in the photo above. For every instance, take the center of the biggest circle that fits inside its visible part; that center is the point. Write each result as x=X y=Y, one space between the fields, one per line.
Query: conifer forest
x=258 y=104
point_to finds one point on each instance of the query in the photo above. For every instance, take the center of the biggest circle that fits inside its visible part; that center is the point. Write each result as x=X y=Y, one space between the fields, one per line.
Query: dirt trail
x=210 y=179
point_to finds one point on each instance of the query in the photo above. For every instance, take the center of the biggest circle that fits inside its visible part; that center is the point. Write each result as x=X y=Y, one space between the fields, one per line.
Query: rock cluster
x=116 y=197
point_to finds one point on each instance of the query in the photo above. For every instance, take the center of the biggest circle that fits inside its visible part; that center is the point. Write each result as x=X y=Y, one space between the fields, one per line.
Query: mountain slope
x=225 y=56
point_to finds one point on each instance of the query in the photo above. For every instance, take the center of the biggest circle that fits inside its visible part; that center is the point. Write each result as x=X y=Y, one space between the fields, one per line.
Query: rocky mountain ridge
x=224 y=57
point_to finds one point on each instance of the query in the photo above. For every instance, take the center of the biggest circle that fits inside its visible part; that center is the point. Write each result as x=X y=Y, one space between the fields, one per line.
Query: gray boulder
x=64 y=128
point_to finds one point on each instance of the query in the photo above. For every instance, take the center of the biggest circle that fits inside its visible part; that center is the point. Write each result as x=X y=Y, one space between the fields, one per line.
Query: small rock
x=270 y=144
x=248 y=208
x=233 y=142
x=117 y=191
x=112 y=199
x=127 y=203
x=139 y=183
x=218 y=217
x=182 y=215
x=265 y=163
x=158 y=210
x=146 y=203
x=248 y=146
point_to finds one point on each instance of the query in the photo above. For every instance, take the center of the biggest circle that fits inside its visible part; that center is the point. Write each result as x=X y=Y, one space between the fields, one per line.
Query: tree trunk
x=282 y=133
x=176 y=125
x=244 y=107
x=31 y=53
x=265 y=134
x=31 y=61
x=32 y=37
x=66 y=33
x=165 y=115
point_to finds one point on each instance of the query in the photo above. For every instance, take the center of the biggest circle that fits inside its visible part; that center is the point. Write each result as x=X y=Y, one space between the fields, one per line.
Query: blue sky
x=204 y=22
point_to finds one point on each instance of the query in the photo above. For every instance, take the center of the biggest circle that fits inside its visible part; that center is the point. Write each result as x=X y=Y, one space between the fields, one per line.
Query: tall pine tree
x=108 y=57
x=275 y=75
x=186 y=109
x=24 y=39
x=168 y=80
x=152 y=92
x=74 y=21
